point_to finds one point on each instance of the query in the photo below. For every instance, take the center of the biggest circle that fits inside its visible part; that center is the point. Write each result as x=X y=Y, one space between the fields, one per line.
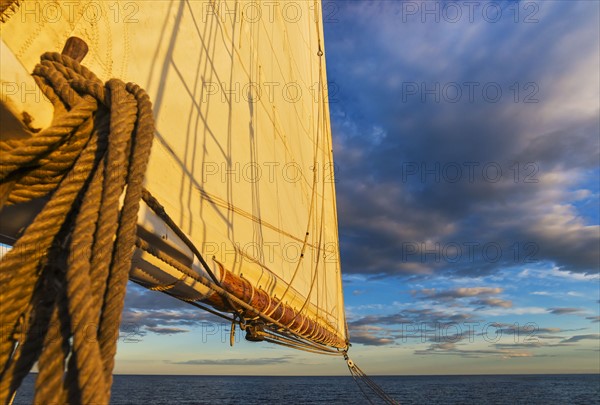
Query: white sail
x=242 y=160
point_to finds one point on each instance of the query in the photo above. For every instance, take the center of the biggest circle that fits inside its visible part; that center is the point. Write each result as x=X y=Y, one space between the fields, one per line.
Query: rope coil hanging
x=63 y=284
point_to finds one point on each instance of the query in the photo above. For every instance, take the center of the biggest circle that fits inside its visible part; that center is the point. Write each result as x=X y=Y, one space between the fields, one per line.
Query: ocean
x=478 y=389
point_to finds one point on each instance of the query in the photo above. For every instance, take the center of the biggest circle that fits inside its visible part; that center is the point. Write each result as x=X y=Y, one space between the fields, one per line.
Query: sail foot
x=296 y=322
x=258 y=305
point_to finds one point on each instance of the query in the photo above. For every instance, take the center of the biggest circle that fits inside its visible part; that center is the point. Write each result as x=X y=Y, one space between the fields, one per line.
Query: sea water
x=479 y=389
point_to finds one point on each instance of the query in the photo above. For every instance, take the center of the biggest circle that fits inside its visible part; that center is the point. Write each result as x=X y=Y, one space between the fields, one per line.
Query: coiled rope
x=62 y=286
x=8 y=8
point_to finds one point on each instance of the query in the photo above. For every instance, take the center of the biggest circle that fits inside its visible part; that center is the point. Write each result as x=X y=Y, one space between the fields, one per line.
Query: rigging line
x=316 y=272
x=303 y=342
x=285 y=342
x=365 y=379
x=301 y=339
x=310 y=218
x=193 y=303
x=317 y=19
x=241 y=60
x=281 y=343
x=159 y=210
x=376 y=388
x=226 y=295
x=314 y=187
x=317 y=348
x=222 y=203
x=328 y=141
x=323 y=129
x=251 y=259
x=360 y=386
x=335 y=228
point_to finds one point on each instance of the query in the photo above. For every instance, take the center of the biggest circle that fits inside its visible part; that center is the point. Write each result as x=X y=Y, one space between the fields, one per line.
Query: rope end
x=75 y=48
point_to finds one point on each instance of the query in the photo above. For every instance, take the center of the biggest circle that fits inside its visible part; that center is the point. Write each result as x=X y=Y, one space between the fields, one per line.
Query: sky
x=466 y=141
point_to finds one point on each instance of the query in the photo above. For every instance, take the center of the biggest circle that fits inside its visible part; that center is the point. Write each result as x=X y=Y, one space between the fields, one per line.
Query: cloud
x=593 y=318
x=530 y=332
x=164 y=318
x=555 y=273
x=484 y=294
x=370 y=339
x=461 y=292
x=370 y=335
x=138 y=297
x=564 y=311
x=549 y=337
x=158 y=313
x=503 y=350
x=450 y=350
x=166 y=331
x=380 y=330
x=493 y=302
x=262 y=361
x=420 y=201
x=447 y=327
x=579 y=338
x=413 y=316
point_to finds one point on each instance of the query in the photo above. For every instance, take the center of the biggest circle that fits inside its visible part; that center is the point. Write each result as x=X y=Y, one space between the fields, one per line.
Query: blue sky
x=467 y=145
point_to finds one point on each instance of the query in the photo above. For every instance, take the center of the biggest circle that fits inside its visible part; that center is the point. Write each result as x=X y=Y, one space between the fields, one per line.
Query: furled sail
x=242 y=158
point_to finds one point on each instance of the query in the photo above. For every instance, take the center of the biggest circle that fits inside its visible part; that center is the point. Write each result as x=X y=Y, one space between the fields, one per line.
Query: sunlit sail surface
x=242 y=160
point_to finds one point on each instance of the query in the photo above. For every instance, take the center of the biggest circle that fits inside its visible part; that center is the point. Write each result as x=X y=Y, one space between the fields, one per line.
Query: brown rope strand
x=82 y=240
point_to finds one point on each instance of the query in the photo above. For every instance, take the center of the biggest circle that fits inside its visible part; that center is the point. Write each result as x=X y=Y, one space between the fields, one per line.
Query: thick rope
x=63 y=284
x=7 y=9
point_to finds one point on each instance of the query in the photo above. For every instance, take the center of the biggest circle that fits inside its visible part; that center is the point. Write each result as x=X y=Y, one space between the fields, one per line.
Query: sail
x=242 y=160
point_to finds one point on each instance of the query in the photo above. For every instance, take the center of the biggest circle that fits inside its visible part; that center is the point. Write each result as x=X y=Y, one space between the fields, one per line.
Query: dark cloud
x=442 y=329
x=564 y=311
x=483 y=294
x=529 y=345
x=593 y=318
x=528 y=340
x=164 y=318
x=401 y=212
x=237 y=362
x=158 y=313
x=370 y=339
x=450 y=350
x=493 y=302
x=579 y=338
x=423 y=324
x=549 y=337
x=530 y=332
x=166 y=331
x=412 y=316
x=370 y=335
x=504 y=350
